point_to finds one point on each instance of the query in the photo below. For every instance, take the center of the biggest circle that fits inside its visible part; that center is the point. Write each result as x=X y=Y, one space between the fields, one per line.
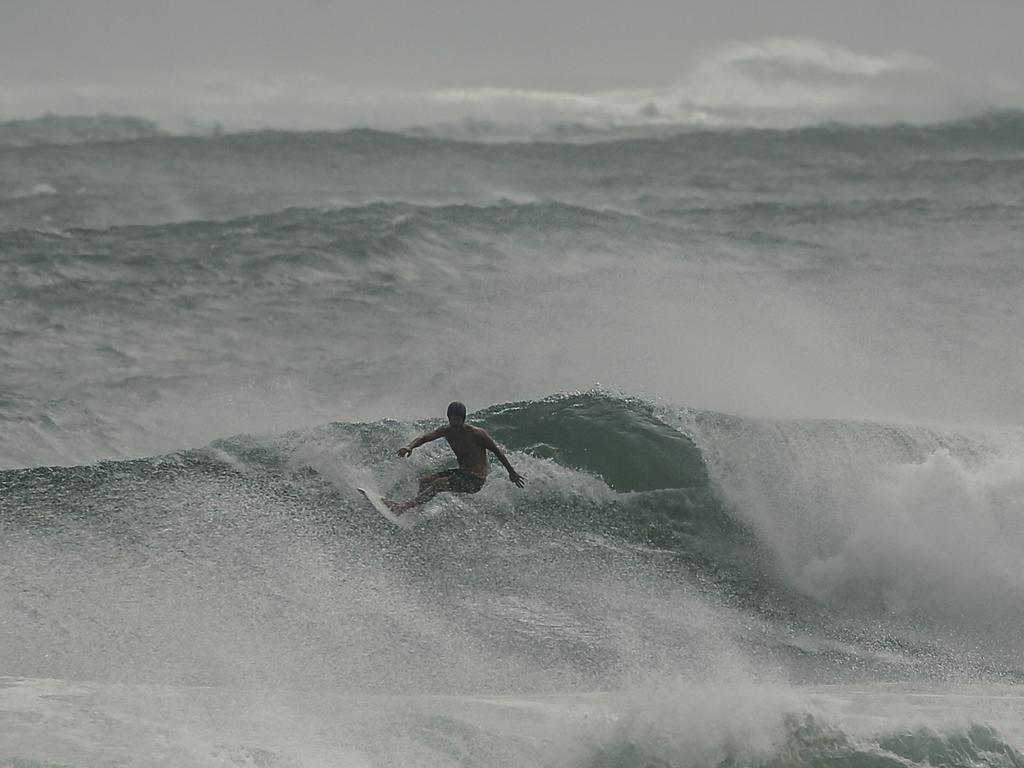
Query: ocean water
x=764 y=386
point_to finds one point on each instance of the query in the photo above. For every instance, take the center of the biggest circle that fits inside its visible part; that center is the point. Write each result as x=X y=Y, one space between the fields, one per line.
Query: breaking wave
x=911 y=527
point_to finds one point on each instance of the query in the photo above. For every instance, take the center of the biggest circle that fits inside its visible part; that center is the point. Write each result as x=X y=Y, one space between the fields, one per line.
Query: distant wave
x=76 y=129
x=836 y=171
x=986 y=130
x=341 y=237
x=335 y=237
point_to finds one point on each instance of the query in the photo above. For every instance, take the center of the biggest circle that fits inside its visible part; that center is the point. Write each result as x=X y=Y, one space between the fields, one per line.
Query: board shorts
x=463 y=482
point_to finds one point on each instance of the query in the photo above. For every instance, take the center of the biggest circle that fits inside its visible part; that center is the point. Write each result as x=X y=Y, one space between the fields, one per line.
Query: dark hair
x=457 y=410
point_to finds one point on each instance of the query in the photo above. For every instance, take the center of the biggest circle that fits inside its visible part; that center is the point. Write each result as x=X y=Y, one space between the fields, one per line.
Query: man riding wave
x=470 y=445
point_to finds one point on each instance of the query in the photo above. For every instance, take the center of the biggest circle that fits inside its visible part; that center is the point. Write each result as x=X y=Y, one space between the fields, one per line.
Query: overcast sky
x=106 y=48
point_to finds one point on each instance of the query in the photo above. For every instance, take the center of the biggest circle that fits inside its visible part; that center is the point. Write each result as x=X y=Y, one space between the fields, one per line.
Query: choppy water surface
x=764 y=386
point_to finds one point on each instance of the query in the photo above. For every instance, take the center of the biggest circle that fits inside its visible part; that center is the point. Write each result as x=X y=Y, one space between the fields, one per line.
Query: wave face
x=763 y=386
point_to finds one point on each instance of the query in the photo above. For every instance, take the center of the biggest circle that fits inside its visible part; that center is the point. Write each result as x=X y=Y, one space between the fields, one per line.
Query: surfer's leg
x=428 y=479
x=438 y=484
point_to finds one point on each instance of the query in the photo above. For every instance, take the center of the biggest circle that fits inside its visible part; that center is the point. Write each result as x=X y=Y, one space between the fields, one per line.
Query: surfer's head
x=456 y=414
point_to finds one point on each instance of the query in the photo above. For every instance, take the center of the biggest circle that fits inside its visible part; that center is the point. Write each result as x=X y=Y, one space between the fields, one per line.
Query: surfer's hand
x=405 y=451
x=516 y=478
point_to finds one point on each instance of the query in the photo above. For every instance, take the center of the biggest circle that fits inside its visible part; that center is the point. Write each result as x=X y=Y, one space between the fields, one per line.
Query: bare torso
x=468 y=445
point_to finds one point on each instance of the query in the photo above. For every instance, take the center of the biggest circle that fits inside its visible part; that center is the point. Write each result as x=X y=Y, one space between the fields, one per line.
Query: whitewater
x=764 y=385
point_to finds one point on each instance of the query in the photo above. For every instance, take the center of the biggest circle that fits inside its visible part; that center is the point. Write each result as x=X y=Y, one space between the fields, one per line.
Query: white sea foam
x=902 y=521
x=937 y=536
x=37 y=190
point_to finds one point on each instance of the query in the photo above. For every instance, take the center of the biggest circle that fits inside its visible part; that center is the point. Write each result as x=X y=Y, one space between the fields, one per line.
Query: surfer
x=470 y=445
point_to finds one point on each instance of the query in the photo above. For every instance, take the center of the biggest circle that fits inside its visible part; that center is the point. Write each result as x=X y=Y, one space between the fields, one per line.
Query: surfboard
x=377 y=501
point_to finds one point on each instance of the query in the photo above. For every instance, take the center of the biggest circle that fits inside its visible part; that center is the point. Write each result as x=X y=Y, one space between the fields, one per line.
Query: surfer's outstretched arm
x=425 y=438
x=494 y=448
